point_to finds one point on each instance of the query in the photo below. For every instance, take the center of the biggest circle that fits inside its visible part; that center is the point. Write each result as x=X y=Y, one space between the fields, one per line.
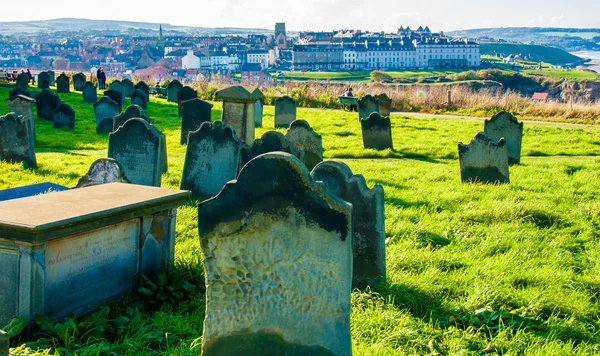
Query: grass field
x=472 y=269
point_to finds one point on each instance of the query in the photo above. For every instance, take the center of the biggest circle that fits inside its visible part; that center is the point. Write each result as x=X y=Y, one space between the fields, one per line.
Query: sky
x=326 y=15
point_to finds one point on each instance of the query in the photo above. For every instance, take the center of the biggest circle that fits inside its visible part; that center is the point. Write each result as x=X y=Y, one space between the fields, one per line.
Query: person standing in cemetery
x=31 y=78
x=101 y=78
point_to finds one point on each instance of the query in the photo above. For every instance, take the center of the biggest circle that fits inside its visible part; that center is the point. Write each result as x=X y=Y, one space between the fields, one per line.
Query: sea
x=593 y=55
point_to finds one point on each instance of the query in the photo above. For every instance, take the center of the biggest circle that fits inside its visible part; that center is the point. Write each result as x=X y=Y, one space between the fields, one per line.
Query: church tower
x=280 y=35
x=160 y=44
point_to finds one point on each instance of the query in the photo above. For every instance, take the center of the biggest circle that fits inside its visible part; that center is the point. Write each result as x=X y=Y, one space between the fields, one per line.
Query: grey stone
x=368 y=220
x=23 y=106
x=118 y=86
x=278 y=264
x=128 y=85
x=102 y=171
x=270 y=141
x=79 y=81
x=483 y=160
x=137 y=147
x=16 y=140
x=63 y=84
x=4 y=343
x=29 y=191
x=43 y=80
x=144 y=88
x=19 y=91
x=139 y=98
x=105 y=109
x=183 y=94
x=258 y=113
x=51 y=76
x=64 y=116
x=116 y=96
x=212 y=158
x=89 y=92
x=377 y=132
x=305 y=138
x=23 y=80
x=172 y=90
x=285 y=111
x=195 y=112
x=131 y=112
x=504 y=125
x=238 y=110
x=367 y=105
x=385 y=104
x=46 y=102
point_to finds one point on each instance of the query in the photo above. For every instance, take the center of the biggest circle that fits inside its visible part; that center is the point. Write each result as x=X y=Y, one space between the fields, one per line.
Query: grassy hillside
x=535 y=53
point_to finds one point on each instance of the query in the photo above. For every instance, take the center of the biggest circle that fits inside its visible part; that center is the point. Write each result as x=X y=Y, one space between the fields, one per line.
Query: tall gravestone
x=385 y=104
x=43 y=80
x=23 y=106
x=212 y=158
x=195 y=113
x=51 y=78
x=118 y=86
x=144 y=88
x=131 y=112
x=23 y=80
x=258 y=113
x=16 y=140
x=377 y=132
x=89 y=92
x=172 y=90
x=105 y=109
x=285 y=111
x=367 y=105
x=63 y=84
x=139 y=98
x=183 y=94
x=238 y=110
x=504 y=125
x=102 y=171
x=303 y=137
x=128 y=85
x=483 y=160
x=137 y=147
x=19 y=91
x=116 y=96
x=368 y=219
x=46 y=102
x=270 y=141
x=79 y=80
x=278 y=264
x=64 y=116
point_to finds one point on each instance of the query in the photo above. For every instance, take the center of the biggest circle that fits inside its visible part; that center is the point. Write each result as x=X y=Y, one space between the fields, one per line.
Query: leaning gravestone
x=483 y=160
x=19 y=91
x=139 y=98
x=131 y=112
x=368 y=220
x=64 y=116
x=303 y=137
x=23 y=106
x=128 y=85
x=51 y=75
x=46 y=102
x=183 y=94
x=212 y=158
x=385 y=104
x=116 y=96
x=63 y=84
x=270 y=141
x=238 y=110
x=23 y=80
x=195 y=113
x=144 y=88
x=137 y=147
x=78 y=81
x=285 y=111
x=258 y=113
x=105 y=109
x=504 y=125
x=89 y=92
x=172 y=90
x=278 y=264
x=16 y=140
x=102 y=171
x=367 y=105
x=377 y=132
x=43 y=80
x=118 y=86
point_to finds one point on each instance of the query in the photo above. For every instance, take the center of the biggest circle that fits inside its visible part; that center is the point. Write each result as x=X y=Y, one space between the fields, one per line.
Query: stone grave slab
x=16 y=140
x=63 y=83
x=483 y=160
x=19 y=91
x=144 y=88
x=105 y=109
x=22 y=105
x=172 y=90
x=43 y=80
x=195 y=112
x=258 y=113
x=102 y=171
x=367 y=105
x=51 y=76
x=89 y=92
x=238 y=110
x=79 y=81
x=64 y=116
x=385 y=104
x=46 y=102
x=118 y=86
x=377 y=132
x=30 y=190
x=23 y=80
x=183 y=94
x=131 y=112
x=128 y=85
x=285 y=111
x=504 y=125
x=116 y=96
x=139 y=98
x=270 y=141
x=303 y=137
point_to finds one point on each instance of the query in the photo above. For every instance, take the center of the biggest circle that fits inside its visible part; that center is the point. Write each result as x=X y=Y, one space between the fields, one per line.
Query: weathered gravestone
x=79 y=81
x=137 y=147
x=23 y=80
x=238 y=110
x=116 y=96
x=118 y=86
x=483 y=160
x=16 y=140
x=46 y=102
x=278 y=264
x=270 y=141
x=131 y=112
x=64 y=116
x=368 y=219
x=258 y=113
x=105 y=109
x=4 y=343
x=504 y=125
x=139 y=98
x=195 y=113
x=303 y=137
x=19 y=91
x=385 y=104
x=172 y=90
x=144 y=88
x=285 y=111
x=89 y=92
x=51 y=76
x=30 y=190
x=377 y=132
x=43 y=80
x=23 y=106
x=63 y=84
x=183 y=94
x=212 y=158
x=128 y=85
x=102 y=171
x=367 y=105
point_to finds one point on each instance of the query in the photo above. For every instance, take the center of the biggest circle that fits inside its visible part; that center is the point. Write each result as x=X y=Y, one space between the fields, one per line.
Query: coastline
x=593 y=56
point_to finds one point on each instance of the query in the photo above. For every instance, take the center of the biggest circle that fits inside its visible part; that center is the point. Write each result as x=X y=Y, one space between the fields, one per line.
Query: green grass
x=530 y=249
x=536 y=53
x=564 y=73
x=585 y=35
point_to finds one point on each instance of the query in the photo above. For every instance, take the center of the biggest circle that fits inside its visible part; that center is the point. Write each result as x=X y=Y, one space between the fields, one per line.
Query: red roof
x=540 y=96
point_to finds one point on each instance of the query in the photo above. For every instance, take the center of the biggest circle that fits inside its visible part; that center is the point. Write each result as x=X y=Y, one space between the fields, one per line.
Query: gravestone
x=30 y=190
x=285 y=111
x=4 y=343
x=137 y=147
x=504 y=125
x=377 y=132
x=278 y=264
x=102 y=171
x=385 y=104
x=144 y=88
x=51 y=76
x=139 y=98
x=116 y=96
x=46 y=102
x=368 y=220
x=23 y=106
x=23 y=80
x=129 y=113
x=79 y=81
x=89 y=92
x=303 y=137
x=16 y=140
x=128 y=85
x=238 y=110
x=183 y=94
x=63 y=84
x=118 y=86
x=172 y=90
x=195 y=112
x=270 y=141
x=19 y=91
x=258 y=113
x=212 y=158
x=64 y=116
x=105 y=109
x=483 y=160
x=367 y=105
x=43 y=80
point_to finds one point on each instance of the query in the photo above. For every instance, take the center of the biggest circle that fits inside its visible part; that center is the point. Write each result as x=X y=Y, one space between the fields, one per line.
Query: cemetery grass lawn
x=471 y=268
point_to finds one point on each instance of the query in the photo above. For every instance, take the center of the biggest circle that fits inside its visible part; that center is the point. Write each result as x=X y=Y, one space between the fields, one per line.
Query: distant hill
x=534 y=52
